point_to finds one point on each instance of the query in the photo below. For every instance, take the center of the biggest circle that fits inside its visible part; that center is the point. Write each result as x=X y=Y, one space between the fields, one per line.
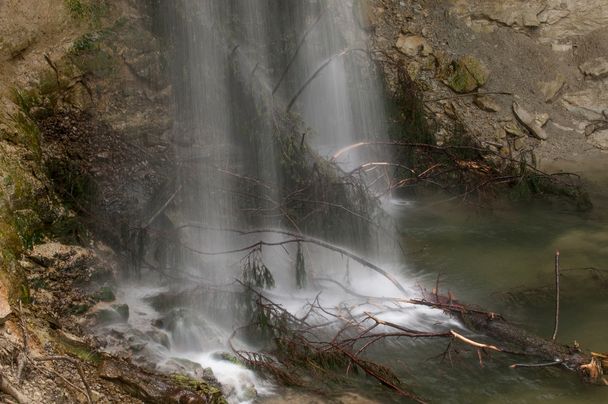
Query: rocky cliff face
x=85 y=135
x=521 y=76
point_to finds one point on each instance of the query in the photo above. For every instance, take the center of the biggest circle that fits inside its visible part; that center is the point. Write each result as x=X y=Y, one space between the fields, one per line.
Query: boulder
x=413 y=45
x=153 y=388
x=468 y=74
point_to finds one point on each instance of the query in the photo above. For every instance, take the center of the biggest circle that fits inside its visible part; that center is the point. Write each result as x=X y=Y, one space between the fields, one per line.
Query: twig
x=23 y=355
x=473 y=343
x=162 y=208
x=556 y=295
x=379 y=377
x=535 y=365
x=76 y=364
x=317 y=72
x=297 y=238
x=60 y=376
x=410 y=333
x=297 y=51
x=53 y=66
x=7 y=388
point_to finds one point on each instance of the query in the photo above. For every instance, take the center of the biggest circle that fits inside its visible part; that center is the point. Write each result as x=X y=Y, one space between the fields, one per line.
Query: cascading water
x=249 y=74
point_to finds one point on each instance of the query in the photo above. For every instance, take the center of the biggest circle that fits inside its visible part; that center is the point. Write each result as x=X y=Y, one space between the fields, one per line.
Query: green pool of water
x=503 y=260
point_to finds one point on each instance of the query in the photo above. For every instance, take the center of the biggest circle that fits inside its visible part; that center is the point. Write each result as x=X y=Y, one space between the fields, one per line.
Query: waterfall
x=267 y=91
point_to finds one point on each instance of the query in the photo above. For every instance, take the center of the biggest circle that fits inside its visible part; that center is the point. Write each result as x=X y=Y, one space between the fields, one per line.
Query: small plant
x=76 y=8
x=91 y=11
x=300 y=268
x=85 y=43
x=255 y=272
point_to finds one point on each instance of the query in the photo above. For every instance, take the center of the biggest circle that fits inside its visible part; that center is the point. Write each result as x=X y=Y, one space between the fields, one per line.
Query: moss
x=84 y=353
x=79 y=309
x=228 y=357
x=25 y=296
x=85 y=43
x=211 y=393
x=96 y=61
x=468 y=74
x=91 y=11
x=71 y=346
x=105 y=294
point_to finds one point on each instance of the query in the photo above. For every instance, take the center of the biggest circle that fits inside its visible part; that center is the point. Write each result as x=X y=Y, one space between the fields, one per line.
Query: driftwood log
x=517 y=341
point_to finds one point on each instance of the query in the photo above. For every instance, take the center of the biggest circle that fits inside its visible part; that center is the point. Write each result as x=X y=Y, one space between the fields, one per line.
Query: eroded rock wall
x=545 y=91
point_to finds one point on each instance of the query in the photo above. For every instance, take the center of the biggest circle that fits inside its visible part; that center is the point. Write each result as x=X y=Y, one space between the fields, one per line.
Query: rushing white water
x=240 y=65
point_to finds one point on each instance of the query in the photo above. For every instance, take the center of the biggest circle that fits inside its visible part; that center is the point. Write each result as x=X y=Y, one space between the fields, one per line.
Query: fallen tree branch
x=297 y=238
x=381 y=379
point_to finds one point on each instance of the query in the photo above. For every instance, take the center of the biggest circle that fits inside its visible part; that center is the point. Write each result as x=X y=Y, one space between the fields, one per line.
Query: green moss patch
x=468 y=74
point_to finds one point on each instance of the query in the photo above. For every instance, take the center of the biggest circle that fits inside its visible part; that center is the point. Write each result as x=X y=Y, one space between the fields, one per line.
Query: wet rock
x=228 y=357
x=364 y=14
x=468 y=74
x=152 y=388
x=551 y=89
x=486 y=103
x=122 y=310
x=186 y=327
x=413 y=45
x=160 y=337
x=182 y=365
x=596 y=68
x=105 y=315
x=531 y=121
x=105 y=294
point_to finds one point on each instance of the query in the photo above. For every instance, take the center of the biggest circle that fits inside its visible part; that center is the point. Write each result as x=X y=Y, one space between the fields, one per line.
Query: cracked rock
x=534 y=123
x=596 y=68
